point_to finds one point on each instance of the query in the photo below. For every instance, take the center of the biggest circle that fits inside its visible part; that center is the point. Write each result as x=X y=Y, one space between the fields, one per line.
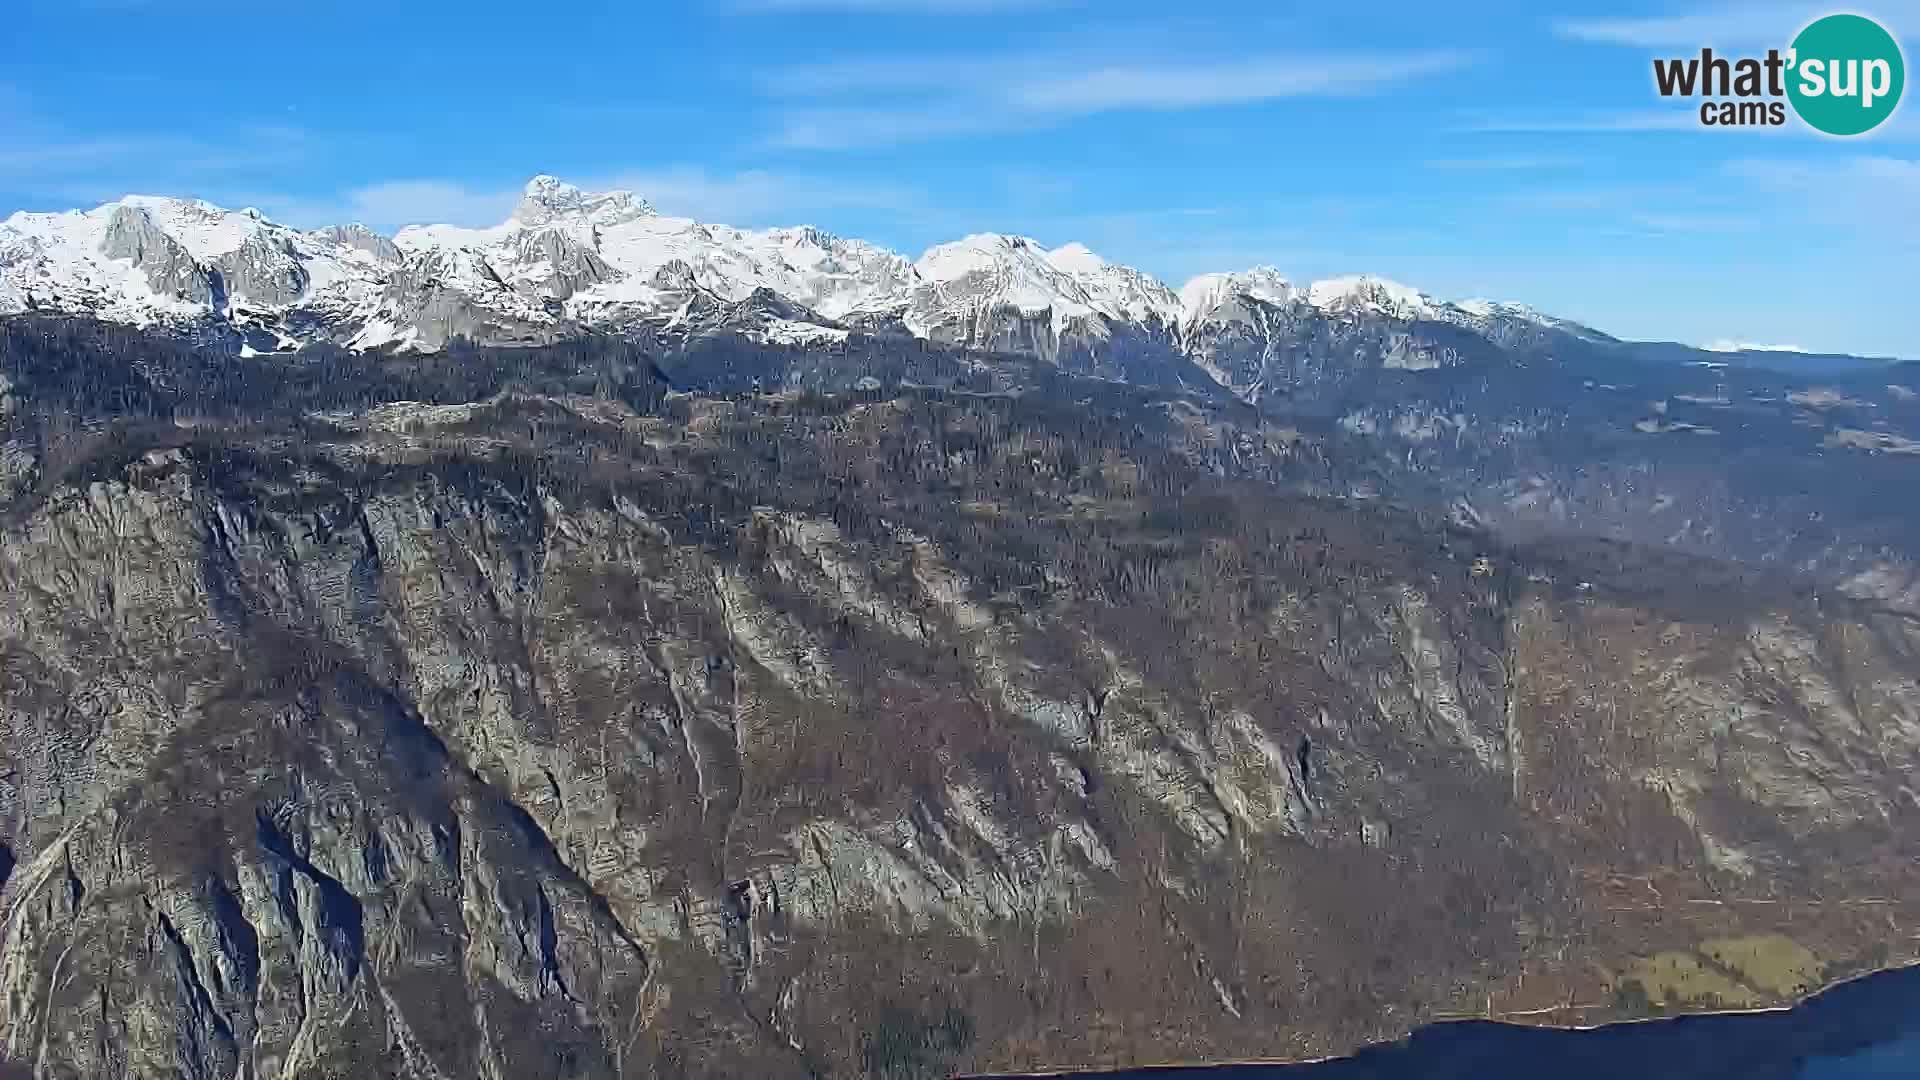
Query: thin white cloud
x=398 y=202
x=1876 y=197
x=1903 y=126
x=845 y=128
x=1868 y=196
x=1231 y=82
x=1892 y=177
x=1668 y=222
x=1760 y=24
x=1751 y=25
x=385 y=205
x=41 y=158
x=1636 y=120
x=1829 y=202
x=1631 y=210
x=947 y=96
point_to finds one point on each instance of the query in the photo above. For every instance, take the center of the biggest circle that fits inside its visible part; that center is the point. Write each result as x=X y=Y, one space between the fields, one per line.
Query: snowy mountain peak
x=1201 y=295
x=979 y=253
x=976 y=251
x=1484 y=309
x=987 y=271
x=203 y=229
x=546 y=199
x=1076 y=258
x=808 y=236
x=1117 y=291
x=359 y=238
x=1364 y=292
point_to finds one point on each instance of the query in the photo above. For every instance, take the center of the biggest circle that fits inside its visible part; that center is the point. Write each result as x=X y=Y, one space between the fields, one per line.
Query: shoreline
x=1237 y=1063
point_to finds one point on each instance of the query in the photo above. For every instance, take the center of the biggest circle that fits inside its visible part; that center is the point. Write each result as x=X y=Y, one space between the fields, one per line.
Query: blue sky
x=1511 y=149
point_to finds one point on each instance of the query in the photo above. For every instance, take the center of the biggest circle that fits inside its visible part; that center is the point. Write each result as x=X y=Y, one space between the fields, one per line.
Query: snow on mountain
x=548 y=199
x=1002 y=291
x=149 y=258
x=968 y=279
x=1120 y=292
x=61 y=259
x=1481 y=312
x=1726 y=345
x=1364 y=292
x=568 y=259
x=610 y=255
x=1201 y=295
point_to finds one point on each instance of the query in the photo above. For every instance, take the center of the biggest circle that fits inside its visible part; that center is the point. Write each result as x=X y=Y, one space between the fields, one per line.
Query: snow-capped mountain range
x=568 y=260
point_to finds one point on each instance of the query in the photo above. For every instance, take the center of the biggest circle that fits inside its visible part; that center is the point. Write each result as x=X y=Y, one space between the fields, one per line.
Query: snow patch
x=1728 y=345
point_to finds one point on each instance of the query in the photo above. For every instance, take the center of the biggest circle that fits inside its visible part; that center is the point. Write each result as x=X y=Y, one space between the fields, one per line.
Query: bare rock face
x=439 y=296
x=527 y=732
x=132 y=234
x=264 y=270
x=361 y=238
x=1265 y=347
x=558 y=264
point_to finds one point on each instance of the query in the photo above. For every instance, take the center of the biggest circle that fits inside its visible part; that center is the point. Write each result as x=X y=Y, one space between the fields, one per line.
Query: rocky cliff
x=543 y=714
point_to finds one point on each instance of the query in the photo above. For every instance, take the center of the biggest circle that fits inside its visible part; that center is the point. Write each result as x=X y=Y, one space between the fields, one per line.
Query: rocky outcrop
x=560 y=265
x=132 y=234
x=263 y=270
x=437 y=296
x=360 y=238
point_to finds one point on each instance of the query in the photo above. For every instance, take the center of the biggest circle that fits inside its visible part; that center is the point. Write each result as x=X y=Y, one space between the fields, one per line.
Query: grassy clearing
x=1772 y=962
x=1682 y=978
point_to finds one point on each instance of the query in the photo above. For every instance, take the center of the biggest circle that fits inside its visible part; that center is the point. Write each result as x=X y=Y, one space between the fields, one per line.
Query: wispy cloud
x=950 y=96
x=55 y=156
x=849 y=127
x=1897 y=178
x=1690 y=223
x=1636 y=210
x=1759 y=23
x=1831 y=202
x=1636 y=120
x=392 y=203
x=1191 y=85
x=1873 y=196
x=1903 y=126
x=1745 y=25
x=42 y=158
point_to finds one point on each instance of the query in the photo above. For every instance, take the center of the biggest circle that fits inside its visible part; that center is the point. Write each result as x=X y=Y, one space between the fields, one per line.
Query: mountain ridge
x=569 y=260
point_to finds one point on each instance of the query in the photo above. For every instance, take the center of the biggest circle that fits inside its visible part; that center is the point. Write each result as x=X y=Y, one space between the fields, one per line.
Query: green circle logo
x=1845 y=74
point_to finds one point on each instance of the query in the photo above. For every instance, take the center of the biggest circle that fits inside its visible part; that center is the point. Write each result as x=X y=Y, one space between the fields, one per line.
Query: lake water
x=1869 y=1028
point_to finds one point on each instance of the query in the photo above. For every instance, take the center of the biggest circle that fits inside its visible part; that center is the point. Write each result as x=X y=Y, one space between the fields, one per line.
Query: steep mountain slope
x=552 y=713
